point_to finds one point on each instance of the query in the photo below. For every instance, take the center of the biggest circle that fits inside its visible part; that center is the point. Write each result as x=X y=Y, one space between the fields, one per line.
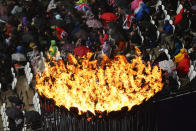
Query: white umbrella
x=167 y=65
x=18 y=57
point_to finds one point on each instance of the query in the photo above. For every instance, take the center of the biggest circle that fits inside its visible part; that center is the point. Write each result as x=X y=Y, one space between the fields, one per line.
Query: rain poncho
x=180 y=55
x=19 y=55
x=178 y=18
x=167 y=27
x=61 y=33
x=140 y=12
x=106 y=49
x=177 y=48
x=24 y=22
x=121 y=46
x=128 y=20
x=82 y=1
x=53 y=48
x=183 y=66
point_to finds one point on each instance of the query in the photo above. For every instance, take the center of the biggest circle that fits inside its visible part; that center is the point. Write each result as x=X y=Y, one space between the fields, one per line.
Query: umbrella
x=32 y=116
x=69 y=27
x=94 y=23
x=76 y=29
x=66 y=4
x=66 y=49
x=135 y=4
x=14 y=113
x=116 y=31
x=18 y=57
x=82 y=34
x=82 y=1
x=118 y=36
x=14 y=99
x=167 y=65
x=27 y=37
x=193 y=7
x=82 y=7
x=81 y=50
x=109 y=16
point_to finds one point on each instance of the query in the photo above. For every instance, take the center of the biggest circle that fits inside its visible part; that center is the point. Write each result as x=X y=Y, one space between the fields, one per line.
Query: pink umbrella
x=94 y=23
x=135 y=4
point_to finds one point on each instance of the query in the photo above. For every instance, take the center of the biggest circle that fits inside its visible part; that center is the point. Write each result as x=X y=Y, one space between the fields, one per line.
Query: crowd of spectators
x=164 y=31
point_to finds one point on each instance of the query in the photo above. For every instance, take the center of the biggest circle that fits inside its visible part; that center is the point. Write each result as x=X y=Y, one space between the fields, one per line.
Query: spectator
x=53 y=48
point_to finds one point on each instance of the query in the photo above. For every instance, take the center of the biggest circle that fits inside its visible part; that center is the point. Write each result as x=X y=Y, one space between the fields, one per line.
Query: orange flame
x=109 y=87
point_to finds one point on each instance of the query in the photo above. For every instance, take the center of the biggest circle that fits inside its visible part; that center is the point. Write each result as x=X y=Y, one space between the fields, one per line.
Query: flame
x=115 y=84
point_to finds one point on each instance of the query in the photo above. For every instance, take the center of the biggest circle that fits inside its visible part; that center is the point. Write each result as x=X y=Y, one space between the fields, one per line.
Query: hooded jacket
x=167 y=29
x=177 y=48
x=53 y=48
x=178 y=18
x=183 y=66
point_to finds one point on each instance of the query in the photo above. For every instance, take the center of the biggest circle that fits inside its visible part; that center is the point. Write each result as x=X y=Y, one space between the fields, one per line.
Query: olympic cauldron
x=85 y=95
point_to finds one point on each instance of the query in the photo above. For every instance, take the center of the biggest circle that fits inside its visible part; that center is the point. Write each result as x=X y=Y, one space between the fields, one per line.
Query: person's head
x=131 y=44
x=54 y=33
x=62 y=42
x=166 y=22
x=31 y=44
x=146 y=29
x=154 y=17
x=101 y=35
x=194 y=43
x=79 y=40
x=160 y=7
x=132 y=33
x=19 y=49
x=134 y=26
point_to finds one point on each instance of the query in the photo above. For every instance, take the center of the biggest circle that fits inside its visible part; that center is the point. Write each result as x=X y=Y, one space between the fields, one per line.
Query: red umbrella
x=109 y=16
x=81 y=50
